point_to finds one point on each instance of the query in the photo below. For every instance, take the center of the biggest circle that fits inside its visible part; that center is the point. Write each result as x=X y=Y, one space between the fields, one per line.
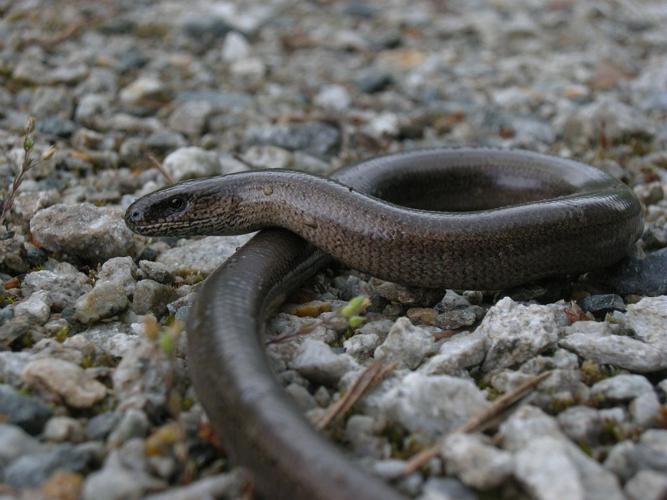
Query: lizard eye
x=177 y=203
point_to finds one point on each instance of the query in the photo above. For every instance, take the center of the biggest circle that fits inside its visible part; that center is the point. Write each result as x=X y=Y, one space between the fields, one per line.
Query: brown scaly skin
x=496 y=219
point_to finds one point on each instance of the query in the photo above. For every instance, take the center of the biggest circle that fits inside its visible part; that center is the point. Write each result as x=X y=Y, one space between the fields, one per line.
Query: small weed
x=26 y=165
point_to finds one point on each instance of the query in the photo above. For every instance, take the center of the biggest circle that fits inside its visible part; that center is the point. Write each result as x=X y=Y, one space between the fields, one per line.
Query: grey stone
x=191 y=162
x=190 y=117
x=119 y=270
x=431 y=405
x=35 y=468
x=27 y=412
x=515 y=333
x=361 y=345
x=461 y=351
x=151 y=296
x=228 y=485
x=105 y=300
x=647 y=485
x=543 y=452
x=475 y=462
x=124 y=475
x=15 y=443
x=621 y=388
x=50 y=102
x=114 y=339
x=133 y=424
x=229 y=164
x=543 y=460
x=406 y=344
x=100 y=426
x=446 y=489
x=142 y=89
x=138 y=381
x=37 y=307
x=527 y=424
x=201 y=256
x=220 y=101
x=334 y=97
x=301 y=397
x=643 y=352
x=63 y=284
x=316 y=138
x=360 y=432
x=250 y=70
x=12 y=365
x=582 y=424
x=317 y=362
x=602 y=304
x=374 y=81
x=56 y=125
x=60 y=429
x=161 y=141
x=267 y=156
x=65 y=380
x=235 y=47
x=83 y=230
x=616 y=120
x=91 y=108
x=156 y=271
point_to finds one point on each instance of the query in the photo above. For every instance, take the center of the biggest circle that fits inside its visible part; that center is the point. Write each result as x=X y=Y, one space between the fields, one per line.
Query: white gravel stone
x=317 y=362
x=544 y=452
x=60 y=429
x=432 y=405
x=361 y=346
x=406 y=344
x=144 y=87
x=37 y=307
x=461 y=351
x=546 y=471
x=643 y=353
x=647 y=485
x=83 y=230
x=227 y=485
x=103 y=301
x=63 y=284
x=235 y=47
x=335 y=97
x=515 y=333
x=191 y=162
x=475 y=462
x=66 y=380
x=120 y=270
x=580 y=423
x=201 y=256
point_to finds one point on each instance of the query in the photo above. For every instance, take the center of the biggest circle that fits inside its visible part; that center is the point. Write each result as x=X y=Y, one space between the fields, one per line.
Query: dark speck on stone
x=361 y=10
x=373 y=82
x=602 y=304
x=100 y=426
x=55 y=125
x=27 y=412
x=205 y=29
x=131 y=60
x=164 y=141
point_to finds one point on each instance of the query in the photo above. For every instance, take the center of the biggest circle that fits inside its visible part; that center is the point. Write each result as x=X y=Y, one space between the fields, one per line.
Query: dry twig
x=477 y=421
x=162 y=170
x=371 y=377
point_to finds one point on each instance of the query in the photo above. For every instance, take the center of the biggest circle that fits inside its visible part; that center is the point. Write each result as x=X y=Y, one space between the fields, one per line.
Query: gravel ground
x=94 y=395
